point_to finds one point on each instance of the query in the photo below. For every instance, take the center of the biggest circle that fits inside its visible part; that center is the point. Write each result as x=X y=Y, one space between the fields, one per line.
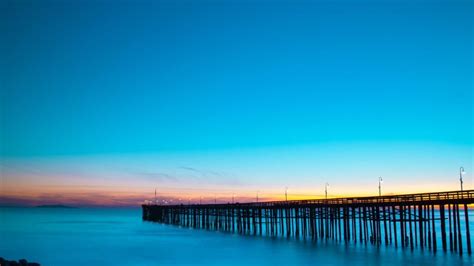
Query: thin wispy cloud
x=157 y=176
x=213 y=177
x=205 y=172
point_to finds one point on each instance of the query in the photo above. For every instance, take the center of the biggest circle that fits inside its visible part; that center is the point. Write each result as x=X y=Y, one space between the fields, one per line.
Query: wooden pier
x=408 y=221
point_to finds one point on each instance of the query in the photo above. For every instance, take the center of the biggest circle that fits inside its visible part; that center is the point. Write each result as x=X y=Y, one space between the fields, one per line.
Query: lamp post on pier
x=380 y=185
x=326 y=190
x=286 y=193
x=461 y=174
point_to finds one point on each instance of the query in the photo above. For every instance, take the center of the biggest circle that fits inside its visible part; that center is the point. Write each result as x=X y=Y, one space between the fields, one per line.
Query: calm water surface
x=86 y=236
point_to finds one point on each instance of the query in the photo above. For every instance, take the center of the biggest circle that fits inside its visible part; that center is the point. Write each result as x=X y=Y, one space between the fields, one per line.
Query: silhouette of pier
x=407 y=221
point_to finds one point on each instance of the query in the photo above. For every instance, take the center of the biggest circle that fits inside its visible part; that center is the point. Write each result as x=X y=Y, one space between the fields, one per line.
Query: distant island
x=54 y=206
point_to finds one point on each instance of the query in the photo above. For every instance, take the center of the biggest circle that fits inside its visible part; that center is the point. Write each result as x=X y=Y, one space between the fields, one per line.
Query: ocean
x=118 y=236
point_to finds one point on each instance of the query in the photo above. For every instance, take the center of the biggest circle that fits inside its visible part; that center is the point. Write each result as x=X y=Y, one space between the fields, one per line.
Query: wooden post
x=455 y=224
x=451 y=247
x=434 y=228
x=394 y=225
x=428 y=225
x=366 y=230
x=389 y=215
x=385 y=225
x=403 y=225
x=411 y=230
x=443 y=227
x=360 y=224
x=459 y=229
x=468 y=233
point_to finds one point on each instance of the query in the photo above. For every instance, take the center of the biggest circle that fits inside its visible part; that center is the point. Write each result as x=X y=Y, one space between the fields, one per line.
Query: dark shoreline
x=21 y=262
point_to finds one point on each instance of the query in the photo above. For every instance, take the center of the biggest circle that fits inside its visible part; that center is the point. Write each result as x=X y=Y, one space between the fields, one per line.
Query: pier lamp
x=286 y=193
x=461 y=174
x=257 y=194
x=326 y=190
x=380 y=185
x=233 y=198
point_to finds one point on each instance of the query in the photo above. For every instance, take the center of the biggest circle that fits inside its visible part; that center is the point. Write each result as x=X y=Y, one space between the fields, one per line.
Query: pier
x=428 y=221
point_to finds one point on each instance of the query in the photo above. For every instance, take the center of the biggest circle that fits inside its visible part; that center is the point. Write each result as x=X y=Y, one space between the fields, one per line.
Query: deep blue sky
x=100 y=77
x=92 y=77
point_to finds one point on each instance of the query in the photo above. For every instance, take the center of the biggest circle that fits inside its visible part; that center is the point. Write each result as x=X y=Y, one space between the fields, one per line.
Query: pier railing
x=455 y=196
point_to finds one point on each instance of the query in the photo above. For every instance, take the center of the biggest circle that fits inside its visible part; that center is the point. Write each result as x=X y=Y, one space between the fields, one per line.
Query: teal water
x=111 y=236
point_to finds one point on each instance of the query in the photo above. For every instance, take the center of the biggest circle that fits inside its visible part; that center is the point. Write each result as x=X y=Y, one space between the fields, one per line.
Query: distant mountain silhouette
x=54 y=206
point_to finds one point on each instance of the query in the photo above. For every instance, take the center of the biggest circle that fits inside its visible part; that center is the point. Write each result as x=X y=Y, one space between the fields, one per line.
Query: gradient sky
x=103 y=101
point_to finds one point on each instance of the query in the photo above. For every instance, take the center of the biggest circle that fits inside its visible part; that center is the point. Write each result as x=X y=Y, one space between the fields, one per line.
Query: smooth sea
x=118 y=236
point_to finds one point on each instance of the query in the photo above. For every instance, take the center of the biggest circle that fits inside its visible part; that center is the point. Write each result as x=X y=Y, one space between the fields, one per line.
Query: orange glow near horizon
x=134 y=196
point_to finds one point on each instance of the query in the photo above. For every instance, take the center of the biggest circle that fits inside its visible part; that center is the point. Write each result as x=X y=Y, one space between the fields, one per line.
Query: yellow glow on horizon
x=129 y=195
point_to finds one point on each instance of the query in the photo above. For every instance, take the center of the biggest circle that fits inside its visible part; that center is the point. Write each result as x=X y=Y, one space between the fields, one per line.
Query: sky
x=102 y=102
